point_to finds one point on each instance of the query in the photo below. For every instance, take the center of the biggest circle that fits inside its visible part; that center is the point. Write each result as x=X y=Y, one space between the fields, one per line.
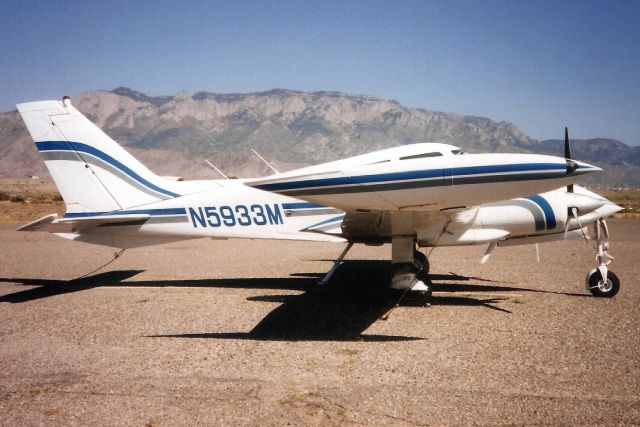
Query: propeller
x=571 y=165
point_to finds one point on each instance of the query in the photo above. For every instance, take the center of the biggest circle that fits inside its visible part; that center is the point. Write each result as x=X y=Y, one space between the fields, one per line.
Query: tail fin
x=92 y=172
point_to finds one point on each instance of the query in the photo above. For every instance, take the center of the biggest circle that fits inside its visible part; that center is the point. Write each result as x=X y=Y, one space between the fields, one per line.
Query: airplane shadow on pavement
x=357 y=296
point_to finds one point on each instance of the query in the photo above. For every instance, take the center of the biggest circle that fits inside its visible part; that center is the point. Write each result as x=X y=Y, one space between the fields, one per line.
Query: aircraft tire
x=417 y=298
x=600 y=289
x=420 y=261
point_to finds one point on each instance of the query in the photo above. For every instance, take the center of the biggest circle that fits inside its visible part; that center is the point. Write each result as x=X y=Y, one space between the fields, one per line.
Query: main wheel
x=417 y=298
x=602 y=288
x=420 y=261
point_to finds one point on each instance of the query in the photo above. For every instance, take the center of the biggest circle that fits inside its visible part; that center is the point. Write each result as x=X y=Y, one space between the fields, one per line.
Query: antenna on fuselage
x=265 y=162
x=216 y=169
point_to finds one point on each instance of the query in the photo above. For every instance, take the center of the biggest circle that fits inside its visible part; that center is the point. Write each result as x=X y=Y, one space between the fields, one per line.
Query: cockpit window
x=417 y=156
x=457 y=151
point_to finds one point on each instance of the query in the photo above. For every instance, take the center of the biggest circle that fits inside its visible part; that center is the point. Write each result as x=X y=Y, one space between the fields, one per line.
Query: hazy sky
x=539 y=64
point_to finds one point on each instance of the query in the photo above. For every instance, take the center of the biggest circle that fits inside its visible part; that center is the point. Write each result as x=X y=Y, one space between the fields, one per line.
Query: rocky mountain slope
x=621 y=163
x=172 y=135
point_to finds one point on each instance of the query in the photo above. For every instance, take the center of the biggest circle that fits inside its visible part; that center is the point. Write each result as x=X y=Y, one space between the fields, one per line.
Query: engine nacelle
x=584 y=203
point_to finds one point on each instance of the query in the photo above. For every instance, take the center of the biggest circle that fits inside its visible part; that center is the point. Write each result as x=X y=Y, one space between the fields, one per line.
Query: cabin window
x=418 y=156
x=457 y=151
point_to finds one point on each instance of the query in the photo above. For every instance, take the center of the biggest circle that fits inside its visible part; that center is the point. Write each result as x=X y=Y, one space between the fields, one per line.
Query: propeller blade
x=538 y=253
x=571 y=165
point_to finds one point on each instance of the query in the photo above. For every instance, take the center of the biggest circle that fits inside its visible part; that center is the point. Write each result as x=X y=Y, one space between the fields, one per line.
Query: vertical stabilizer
x=92 y=172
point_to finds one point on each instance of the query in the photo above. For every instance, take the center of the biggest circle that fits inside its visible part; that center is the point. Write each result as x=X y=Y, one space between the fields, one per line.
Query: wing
x=431 y=179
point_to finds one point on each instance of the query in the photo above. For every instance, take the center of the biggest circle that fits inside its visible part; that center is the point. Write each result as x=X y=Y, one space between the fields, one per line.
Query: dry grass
x=628 y=198
x=25 y=200
x=23 y=213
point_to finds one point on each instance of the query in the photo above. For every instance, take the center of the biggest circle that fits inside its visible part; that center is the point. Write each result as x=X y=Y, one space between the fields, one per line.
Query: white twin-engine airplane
x=413 y=196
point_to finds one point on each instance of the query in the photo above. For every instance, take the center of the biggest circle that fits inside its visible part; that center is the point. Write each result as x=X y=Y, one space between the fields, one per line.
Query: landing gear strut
x=600 y=281
x=410 y=269
x=336 y=264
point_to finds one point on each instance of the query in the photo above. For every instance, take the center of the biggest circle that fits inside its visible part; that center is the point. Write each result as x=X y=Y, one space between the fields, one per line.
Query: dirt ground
x=238 y=332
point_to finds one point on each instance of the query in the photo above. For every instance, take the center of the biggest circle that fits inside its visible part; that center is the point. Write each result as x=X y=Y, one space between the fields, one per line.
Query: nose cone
x=585 y=168
x=584 y=202
x=608 y=209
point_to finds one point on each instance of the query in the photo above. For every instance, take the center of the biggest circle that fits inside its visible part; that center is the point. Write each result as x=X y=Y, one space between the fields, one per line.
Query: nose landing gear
x=600 y=281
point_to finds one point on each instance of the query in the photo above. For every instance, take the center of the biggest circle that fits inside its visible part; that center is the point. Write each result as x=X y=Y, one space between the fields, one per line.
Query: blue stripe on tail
x=84 y=148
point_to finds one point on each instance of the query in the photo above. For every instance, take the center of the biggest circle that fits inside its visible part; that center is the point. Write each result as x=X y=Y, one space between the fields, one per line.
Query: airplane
x=413 y=196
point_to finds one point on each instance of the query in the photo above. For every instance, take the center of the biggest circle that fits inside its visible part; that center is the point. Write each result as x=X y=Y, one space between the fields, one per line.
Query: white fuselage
x=470 y=196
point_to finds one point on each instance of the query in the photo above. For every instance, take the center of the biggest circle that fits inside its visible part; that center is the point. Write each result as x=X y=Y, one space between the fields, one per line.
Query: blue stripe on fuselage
x=152 y=212
x=302 y=206
x=550 y=218
x=412 y=175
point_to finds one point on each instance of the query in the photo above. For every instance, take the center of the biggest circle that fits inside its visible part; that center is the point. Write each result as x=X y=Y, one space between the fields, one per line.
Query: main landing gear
x=600 y=281
x=410 y=269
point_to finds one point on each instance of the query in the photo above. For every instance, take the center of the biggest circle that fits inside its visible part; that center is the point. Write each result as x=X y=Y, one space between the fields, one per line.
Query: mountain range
x=173 y=134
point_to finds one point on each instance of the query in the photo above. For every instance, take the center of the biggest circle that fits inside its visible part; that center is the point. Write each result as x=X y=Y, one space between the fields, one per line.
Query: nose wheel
x=599 y=287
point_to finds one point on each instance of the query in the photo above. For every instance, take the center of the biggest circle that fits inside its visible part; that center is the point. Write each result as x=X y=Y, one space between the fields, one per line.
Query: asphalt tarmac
x=238 y=333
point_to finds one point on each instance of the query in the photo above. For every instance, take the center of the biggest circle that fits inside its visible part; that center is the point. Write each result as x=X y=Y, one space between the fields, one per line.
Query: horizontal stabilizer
x=40 y=224
x=52 y=224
